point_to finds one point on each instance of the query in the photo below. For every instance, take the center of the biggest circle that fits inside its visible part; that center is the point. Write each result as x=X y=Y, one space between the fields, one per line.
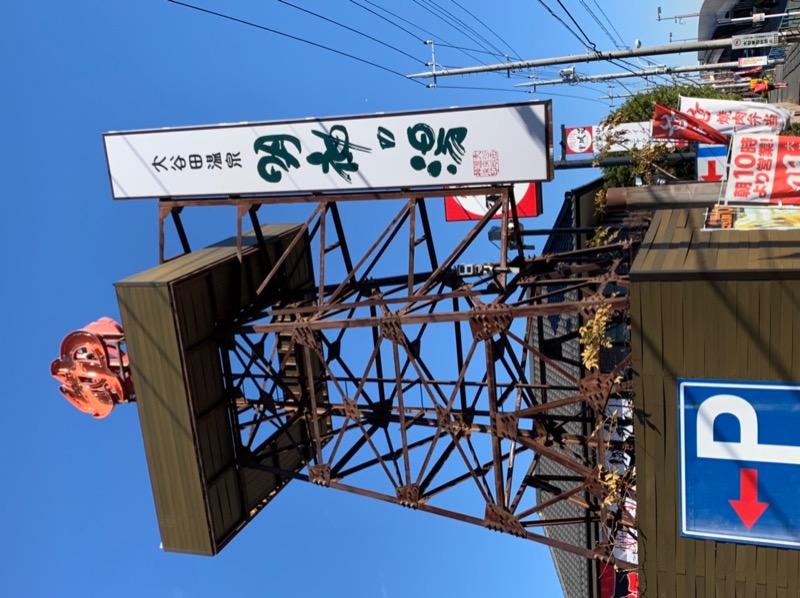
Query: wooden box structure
x=716 y=305
x=177 y=318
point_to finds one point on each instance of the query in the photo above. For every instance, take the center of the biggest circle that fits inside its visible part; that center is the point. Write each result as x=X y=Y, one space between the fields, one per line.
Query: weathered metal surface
x=427 y=375
x=389 y=372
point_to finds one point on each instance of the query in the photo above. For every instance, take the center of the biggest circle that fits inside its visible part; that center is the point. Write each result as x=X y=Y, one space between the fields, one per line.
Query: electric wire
x=514 y=54
x=500 y=53
x=505 y=89
x=290 y=36
x=590 y=45
x=442 y=19
x=569 y=14
x=549 y=93
x=602 y=12
x=563 y=22
x=565 y=95
x=411 y=33
x=343 y=26
x=396 y=16
x=599 y=23
x=441 y=45
x=417 y=37
x=433 y=35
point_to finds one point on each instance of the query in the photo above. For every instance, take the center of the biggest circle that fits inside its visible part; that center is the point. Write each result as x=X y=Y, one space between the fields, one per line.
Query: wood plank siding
x=717 y=305
x=172 y=315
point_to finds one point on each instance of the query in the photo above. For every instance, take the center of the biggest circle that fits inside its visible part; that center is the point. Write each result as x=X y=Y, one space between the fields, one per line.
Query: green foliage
x=640 y=108
x=793 y=130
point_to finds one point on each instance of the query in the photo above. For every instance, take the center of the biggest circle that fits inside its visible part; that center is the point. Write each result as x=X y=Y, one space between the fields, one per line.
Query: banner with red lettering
x=731 y=116
x=671 y=124
x=764 y=169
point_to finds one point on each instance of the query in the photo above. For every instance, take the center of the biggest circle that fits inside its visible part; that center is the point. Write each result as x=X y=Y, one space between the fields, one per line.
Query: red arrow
x=747 y=507
x=712 y=175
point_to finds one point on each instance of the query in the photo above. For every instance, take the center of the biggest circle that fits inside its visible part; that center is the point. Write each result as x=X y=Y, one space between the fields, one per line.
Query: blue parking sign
x=740 y=461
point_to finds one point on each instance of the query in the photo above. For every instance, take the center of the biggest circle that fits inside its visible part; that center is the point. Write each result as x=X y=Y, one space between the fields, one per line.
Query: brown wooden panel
x=652 y=349
x=170 y=315
x=676 y=246
x=771 y=568
x=204 y=373
x=728 y=329
x=730 y=568
x=215 y=441
x=725 y=329
x=165 y=417
x=260 y=485
x=710 y=567
x=196 y=314
x=762 y=554
x=226 y=504
x=793 y=572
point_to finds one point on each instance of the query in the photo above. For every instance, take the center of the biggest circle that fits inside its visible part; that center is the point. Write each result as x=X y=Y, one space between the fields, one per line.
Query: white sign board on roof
x=755 y=40
x=486 y=145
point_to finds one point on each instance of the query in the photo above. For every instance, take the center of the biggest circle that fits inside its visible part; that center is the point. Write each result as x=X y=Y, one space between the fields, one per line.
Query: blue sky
x=79 y=512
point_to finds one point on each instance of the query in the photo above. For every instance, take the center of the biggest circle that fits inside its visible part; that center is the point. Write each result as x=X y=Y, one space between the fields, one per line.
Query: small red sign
x=473 y=207
x=580 y=140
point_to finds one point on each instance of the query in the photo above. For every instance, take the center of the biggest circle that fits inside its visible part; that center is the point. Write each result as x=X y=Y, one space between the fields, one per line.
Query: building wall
x=715 y=329
x=578 y=575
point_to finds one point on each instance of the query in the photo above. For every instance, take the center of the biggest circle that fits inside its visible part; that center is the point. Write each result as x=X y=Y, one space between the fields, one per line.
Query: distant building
x=557 y=338
x=714 y=23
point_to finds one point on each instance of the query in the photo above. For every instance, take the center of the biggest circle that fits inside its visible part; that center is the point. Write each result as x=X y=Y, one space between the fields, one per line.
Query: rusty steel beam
x=428 y=383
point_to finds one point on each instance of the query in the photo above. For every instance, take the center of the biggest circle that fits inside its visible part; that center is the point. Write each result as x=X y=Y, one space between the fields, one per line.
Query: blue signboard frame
x=739 y=456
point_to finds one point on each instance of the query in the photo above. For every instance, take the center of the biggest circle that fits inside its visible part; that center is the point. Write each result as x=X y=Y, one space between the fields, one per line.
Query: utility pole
x=677 y=18
x=665 y=70
x=595 y=57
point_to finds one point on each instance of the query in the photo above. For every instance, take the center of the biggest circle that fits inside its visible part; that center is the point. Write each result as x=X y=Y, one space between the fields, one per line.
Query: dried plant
x=593 y=337
x=603 y=236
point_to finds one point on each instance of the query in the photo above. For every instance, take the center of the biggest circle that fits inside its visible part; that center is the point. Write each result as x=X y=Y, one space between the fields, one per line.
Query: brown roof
x=677 y=248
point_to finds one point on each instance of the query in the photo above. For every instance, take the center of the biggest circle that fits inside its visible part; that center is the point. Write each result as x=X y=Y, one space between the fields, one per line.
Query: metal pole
x=614 y=55
x=616 y=161
x=758 y=17
x=663 y=70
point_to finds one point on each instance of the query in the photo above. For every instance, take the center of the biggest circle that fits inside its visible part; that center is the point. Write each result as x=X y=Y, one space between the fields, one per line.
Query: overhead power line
x=611 y=23
x=514 y=53
x=641 y=73
x=288 y=35
x=463 y=27
x=411 y=33
x=595 y=57
x=356 y=31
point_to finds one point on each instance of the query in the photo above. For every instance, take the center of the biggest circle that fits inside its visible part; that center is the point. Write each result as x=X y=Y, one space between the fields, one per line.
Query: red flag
x=671 y=124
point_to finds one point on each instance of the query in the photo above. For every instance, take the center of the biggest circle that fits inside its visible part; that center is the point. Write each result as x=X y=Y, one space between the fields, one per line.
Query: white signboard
x=755 y=40
x=752 y=61
x=624 y=137
x=483 y=145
